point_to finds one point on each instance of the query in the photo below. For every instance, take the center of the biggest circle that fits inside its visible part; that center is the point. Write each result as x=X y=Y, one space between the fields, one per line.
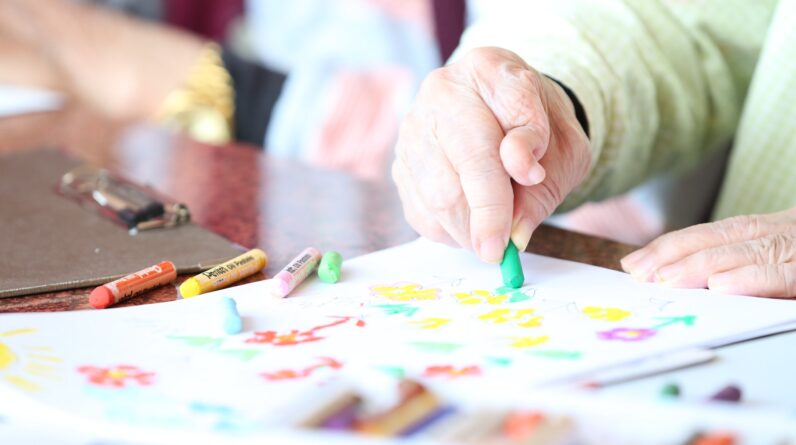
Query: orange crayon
x=133 y=284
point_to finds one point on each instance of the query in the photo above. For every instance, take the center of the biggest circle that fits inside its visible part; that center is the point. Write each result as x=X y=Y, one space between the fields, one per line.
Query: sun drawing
x=23 y=365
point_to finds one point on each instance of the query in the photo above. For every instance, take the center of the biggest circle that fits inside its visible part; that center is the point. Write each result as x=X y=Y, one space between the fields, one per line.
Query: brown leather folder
x=49 y=242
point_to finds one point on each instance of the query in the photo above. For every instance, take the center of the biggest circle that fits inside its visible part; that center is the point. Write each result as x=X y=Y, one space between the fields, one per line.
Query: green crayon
x=670 y=390
x=511 y=267
x=329 y=269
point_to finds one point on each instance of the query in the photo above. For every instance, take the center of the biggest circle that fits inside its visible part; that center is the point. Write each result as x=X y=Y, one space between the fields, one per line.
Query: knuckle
x=774 y=249
x=434 y=82
x=743 y=226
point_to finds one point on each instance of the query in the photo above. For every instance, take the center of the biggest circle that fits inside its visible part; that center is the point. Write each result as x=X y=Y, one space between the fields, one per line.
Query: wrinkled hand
x=745 y=255
x=476 y=125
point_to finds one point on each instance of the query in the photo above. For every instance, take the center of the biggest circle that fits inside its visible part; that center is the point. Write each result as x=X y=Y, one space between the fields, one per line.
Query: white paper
x=421 y=310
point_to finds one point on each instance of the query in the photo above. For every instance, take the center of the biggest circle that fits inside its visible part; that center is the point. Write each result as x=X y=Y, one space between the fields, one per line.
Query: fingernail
x=491 y=249
x=644 y=267
x=536 y=174
x=630 y=261
x=643 y=276
x=668 y=274
x=721 y=282
x=521 y=233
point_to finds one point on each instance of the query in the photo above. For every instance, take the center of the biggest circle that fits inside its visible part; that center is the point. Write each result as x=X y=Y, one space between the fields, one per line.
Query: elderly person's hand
x=746 y=255
x=478 y=124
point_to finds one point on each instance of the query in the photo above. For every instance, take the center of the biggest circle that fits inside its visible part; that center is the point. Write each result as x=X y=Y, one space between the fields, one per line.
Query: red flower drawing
x=451 y=371
x=291 y=374
x=116 y=376
x=295 y=337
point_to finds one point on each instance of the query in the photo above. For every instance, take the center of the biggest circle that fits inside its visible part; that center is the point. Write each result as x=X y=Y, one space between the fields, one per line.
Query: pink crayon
x=294 y=273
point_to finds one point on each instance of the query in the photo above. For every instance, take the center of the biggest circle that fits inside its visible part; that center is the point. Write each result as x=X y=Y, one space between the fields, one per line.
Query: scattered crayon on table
x=295 y=272
x=670 y=390
x=330 y=410
x=329 y=269
x=729 y=393
x=225 y=274
x=415 y=406
x=231 y=322
x=511 y=267
x=133 y=284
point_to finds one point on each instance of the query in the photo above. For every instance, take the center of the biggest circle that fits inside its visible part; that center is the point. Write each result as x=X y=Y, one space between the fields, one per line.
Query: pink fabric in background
x=361 y=122
x=619 y=219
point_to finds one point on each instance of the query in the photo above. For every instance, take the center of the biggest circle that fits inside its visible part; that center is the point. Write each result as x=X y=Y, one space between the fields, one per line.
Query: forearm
x=122 y=66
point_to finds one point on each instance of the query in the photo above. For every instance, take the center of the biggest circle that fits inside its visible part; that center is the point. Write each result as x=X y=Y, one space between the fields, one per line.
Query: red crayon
x=133 y=284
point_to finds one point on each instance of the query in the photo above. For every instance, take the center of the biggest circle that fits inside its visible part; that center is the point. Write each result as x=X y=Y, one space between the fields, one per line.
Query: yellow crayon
x=225 y=274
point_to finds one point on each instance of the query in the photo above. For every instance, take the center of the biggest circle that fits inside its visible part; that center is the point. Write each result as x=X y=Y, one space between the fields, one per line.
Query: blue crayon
x=230 y=319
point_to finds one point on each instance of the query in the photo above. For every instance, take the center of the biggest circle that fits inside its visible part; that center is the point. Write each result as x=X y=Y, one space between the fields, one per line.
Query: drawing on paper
x=452 y=372
x=679 y=320
x=26 y=366
x=294 y=336
x=217 y=345
x=606 y=313
x=529 y=342
x=432 y=322
x=293 y=374
x=557 y=354
x=405 y=292
x=118 y=376
x=523 y=318
x=627 y=334
x=432 y=313
x=404 y=309
x=480 y=296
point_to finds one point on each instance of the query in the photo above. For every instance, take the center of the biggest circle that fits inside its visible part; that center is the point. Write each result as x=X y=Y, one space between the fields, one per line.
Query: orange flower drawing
x=116 y=376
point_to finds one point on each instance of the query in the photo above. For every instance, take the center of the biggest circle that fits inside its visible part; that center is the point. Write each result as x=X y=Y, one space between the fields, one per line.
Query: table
x=251 y=198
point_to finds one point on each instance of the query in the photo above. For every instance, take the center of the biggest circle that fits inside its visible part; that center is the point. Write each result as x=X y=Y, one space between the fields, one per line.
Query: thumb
x=525 y=123
x=520 y=152
x=566 y=163
x=513 y=92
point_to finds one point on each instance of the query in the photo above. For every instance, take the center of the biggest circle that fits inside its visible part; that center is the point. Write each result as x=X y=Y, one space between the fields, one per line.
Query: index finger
x=473 y=151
